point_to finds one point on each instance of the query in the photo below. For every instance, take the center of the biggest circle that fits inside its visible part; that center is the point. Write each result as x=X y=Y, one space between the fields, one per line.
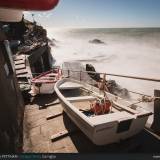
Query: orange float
x=100 y=108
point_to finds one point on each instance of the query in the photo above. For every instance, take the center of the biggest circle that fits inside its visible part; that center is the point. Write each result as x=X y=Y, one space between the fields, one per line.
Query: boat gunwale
x=80 y=114
x=33 y=80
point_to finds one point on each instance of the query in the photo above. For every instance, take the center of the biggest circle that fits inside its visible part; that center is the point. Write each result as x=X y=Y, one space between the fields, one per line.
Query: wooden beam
x=19 y=62
x=49 y=117
x=53 y=104
x=63 y=134
x=126 y=108
x=22 y=71
x=49 y=105
x=19 y=67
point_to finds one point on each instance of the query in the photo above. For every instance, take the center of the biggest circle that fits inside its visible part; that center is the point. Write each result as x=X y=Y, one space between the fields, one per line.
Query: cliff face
x=34 y=44
x=11 y=104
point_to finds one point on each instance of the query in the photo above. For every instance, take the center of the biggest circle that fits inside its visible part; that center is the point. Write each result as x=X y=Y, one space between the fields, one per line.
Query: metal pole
x=125 y=76
x=80 y=75
x=156 y=122
x=68 y=73
x=135 y=77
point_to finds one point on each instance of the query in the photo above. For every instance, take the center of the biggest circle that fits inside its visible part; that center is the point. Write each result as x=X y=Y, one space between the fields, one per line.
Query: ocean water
x=134 y=51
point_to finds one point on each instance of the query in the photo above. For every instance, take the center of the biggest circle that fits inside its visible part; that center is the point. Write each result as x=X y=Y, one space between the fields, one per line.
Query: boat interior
x=82 y=99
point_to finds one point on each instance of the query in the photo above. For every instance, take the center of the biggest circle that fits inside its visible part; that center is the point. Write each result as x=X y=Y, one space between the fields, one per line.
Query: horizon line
x=138 y=27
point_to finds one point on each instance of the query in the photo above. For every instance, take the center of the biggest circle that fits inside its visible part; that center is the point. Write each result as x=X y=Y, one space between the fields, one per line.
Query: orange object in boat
x=106 y=106
x=100 y=108
x=96 y=108
x=29 y=4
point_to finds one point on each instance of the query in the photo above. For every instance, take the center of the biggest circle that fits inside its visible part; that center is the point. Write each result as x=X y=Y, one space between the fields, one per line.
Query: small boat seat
x=47 y=78
x=52 y=74
x=81 y=98
x=113 y=117
x=43 y=81
x=70 y=85
x=128 y=109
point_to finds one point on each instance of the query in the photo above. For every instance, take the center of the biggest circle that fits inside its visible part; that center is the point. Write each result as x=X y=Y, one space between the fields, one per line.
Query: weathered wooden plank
x=126 y=108
x=19 y=57
x=19 y=62
x=21 y=66
x=62 y=134
x=23 y=76
x=22 y=71
x=49 y=117
x=49 y=105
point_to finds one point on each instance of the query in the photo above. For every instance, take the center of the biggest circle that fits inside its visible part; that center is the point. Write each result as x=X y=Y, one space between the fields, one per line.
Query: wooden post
x=104 y=84
x=156 y=123
x=80 y=76
x=68 y=73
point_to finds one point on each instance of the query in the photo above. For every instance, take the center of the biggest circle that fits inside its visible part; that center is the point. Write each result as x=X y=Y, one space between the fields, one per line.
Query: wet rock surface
x=96 y=41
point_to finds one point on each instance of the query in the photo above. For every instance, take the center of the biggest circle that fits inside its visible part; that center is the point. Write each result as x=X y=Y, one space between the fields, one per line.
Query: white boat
x=123 y=120
x=44 y=83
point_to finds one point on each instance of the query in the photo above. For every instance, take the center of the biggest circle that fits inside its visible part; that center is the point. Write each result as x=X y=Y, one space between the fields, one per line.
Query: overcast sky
x=101 y=14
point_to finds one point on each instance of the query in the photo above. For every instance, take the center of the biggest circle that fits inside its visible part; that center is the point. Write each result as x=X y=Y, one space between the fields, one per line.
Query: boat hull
x=44 y=83
x=102 y=133
x=47 y=88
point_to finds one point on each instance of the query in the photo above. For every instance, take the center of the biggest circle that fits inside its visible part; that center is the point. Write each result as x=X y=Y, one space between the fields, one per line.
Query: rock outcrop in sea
x=96 y=41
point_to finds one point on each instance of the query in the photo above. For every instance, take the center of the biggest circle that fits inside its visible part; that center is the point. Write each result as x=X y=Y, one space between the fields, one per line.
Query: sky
x=100 y=14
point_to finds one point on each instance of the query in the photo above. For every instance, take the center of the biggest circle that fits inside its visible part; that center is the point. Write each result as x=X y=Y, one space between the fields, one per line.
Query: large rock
x=95 y=76
x=96 y=41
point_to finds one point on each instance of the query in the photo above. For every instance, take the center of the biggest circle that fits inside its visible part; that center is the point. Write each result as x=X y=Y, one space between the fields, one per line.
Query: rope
x=141 y=94
x=140 y=101
x=150 y=99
